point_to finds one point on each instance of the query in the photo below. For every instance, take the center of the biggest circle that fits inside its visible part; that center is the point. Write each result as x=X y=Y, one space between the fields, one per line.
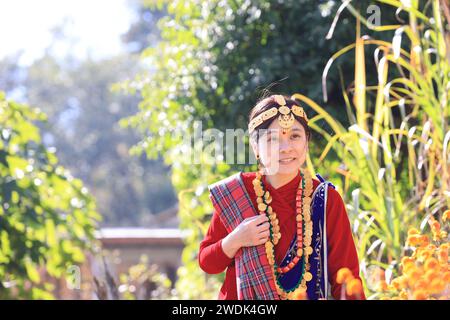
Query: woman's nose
x=285 y=146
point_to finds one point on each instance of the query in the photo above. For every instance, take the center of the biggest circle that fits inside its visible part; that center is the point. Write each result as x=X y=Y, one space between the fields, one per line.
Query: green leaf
x=5 y=244
x=32 y=272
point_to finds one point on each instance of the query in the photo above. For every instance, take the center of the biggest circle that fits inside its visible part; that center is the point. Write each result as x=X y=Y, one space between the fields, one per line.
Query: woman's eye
x=296 y=136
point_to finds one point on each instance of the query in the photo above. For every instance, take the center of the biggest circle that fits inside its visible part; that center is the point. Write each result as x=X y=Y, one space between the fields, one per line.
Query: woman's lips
x=287 y=160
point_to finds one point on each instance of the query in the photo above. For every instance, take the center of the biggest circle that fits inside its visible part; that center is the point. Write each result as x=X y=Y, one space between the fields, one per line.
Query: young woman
x=279 y=233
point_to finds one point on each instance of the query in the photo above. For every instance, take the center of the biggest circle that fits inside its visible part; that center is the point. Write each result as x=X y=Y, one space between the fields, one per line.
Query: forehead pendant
x=286 y=117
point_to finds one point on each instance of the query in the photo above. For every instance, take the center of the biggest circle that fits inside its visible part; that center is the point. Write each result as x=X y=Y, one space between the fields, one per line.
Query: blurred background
x=99 y=201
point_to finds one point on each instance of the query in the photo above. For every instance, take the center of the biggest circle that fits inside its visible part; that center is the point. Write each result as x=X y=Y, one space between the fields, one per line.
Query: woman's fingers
x=263 y=227
x=255 y=230
x=260 y=219
x=262 y=241
x=264 y=234
x=264 y=237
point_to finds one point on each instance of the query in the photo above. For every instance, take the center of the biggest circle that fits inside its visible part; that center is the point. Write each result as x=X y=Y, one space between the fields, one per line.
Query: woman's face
x=282 y=153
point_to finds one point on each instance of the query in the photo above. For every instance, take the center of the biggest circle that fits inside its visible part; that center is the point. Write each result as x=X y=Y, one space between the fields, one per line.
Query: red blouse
x=341 y=248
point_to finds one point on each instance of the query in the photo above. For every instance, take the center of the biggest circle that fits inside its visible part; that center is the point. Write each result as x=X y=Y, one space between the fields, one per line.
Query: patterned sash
x=253 y=272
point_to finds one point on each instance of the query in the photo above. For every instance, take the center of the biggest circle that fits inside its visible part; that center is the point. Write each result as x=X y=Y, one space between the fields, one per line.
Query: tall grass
x=395 y=154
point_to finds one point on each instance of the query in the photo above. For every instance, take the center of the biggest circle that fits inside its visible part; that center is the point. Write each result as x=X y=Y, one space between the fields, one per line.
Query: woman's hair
x=267 y=103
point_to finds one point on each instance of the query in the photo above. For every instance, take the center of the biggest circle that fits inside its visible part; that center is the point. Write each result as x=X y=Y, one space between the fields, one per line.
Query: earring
x=258 y=162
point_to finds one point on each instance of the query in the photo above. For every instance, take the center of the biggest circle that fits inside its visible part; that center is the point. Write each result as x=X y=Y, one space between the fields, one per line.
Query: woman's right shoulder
x=246 y=177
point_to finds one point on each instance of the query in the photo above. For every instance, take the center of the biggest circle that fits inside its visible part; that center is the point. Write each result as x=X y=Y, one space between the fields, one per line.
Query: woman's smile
x=287 y=160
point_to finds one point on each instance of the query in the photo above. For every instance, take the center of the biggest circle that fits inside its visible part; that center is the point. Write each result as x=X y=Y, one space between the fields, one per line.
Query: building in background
x=123 y=248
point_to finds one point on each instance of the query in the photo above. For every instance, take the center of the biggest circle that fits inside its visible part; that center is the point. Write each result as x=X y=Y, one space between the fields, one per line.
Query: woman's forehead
x=295 y=127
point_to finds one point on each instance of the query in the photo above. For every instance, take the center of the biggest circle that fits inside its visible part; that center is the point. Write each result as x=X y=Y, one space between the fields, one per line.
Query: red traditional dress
x=339 y=242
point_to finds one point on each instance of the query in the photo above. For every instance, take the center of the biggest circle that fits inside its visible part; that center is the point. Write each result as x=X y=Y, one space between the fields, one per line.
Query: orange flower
x=435 y=226
x=413 y=277
x=396 y=284
x=425 y=274
x=430 y=275
x=436 y=286
x=300 y=295
x=446 y=277
x=413 y=240
x=424 y=254
x=431 y=263
x=344 y=275
x=403 y=281
x=446 y=215
x=403 y=295
x=436 y=237
x=421 y=284
x=442 y=256
x=420 y=295
x=411 y=268
x=424 y=240
x=407 y=262
x=354 y=287
x=417 y=240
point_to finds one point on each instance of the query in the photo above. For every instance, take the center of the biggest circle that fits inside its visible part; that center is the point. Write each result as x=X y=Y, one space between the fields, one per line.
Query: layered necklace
x=304 y=233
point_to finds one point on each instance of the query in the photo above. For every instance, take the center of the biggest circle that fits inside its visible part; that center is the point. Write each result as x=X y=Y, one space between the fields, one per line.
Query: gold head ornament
x=285 y=114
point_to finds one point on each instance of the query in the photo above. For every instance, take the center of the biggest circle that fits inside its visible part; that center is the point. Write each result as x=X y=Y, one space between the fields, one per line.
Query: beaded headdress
x=285 y=115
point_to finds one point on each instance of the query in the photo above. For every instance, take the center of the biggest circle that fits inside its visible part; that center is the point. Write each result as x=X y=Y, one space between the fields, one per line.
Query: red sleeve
x=211 y=257
x=341 y=247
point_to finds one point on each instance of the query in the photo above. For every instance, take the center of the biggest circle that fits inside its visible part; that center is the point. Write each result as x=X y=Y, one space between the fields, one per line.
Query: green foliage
x=47 y=217
x=399 y=136
x=212 y=59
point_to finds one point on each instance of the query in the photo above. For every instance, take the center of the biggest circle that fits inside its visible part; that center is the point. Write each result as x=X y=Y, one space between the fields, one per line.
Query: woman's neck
x=279 y=180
